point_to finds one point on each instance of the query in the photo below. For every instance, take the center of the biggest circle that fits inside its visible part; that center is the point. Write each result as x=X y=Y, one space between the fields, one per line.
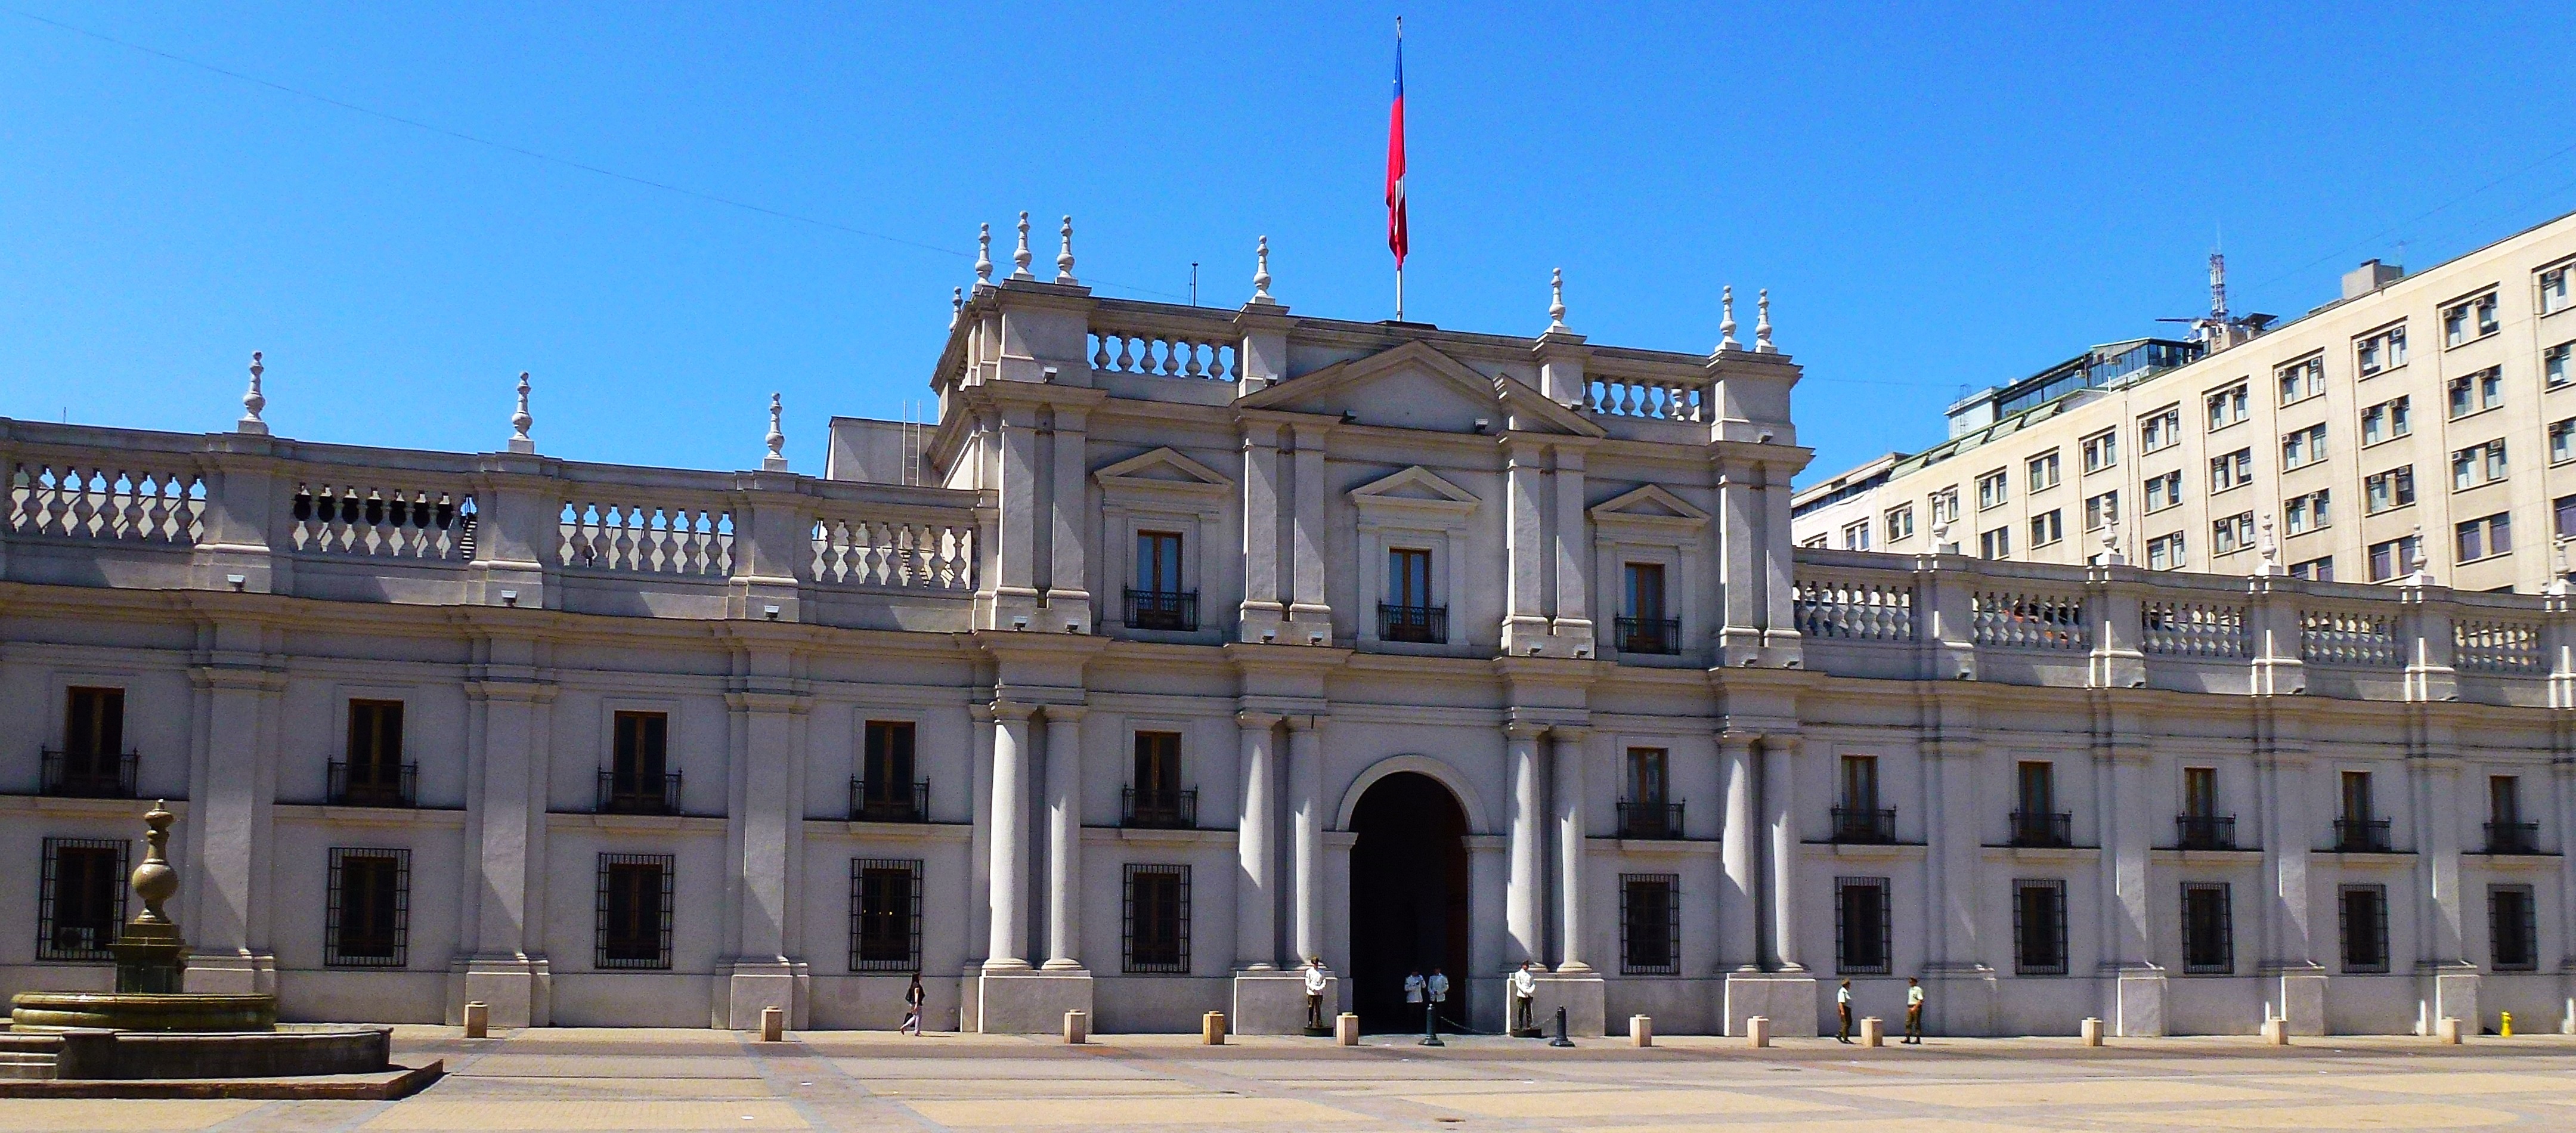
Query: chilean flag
x=1396 y=240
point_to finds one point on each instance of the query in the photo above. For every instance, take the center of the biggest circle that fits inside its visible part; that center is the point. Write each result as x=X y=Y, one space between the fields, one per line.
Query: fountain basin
x=138 y=1011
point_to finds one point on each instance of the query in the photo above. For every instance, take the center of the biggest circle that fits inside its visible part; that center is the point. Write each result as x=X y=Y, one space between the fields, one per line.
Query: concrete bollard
x=478 y=1020
x=1077 y=1027
x=2091 y=1032
x=1212 y=1028
x=1641 y=1030
x=1346 y=1029
x=773 y=1024
x=2446 y=1031
x=2276 y=1032
x=1873 y=1031
x=1757 y=1031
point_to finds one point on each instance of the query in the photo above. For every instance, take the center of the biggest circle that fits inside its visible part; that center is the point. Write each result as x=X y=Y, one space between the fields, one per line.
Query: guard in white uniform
x=1315 y=985
x=1524 y=992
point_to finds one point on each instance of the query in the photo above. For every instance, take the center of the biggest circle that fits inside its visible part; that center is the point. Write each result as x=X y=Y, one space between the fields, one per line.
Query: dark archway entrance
x=1408 y=898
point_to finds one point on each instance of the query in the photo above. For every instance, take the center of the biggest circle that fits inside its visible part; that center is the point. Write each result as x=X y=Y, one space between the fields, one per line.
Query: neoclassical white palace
x=1189 y=643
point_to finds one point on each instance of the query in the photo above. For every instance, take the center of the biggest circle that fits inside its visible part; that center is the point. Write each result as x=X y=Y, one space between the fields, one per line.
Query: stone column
x=1780 y=807
x=1014 y=554
x=1571 y=544
x=1007 y=941
x=1064 y=836
x=1306 y=802
x=1256 y=842
x=1262 y=609
x=979 y=842
x=1526 y=938
x=1068 y=597
x=2285 y=831
x=766 y=805
x=1525 y=548
x=1571 y=831
x=500 y=958
x=231 y=792
x=1739 y=857
x=1307 y=605
x=2444 y=908
x=1739 y=566
x=2127 y=938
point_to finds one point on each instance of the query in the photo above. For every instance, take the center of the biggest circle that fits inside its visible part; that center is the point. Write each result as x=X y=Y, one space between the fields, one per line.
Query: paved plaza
x=570 y=1080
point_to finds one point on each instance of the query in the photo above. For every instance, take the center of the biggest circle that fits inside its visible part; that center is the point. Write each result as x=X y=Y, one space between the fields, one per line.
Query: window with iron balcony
x=1158 y=601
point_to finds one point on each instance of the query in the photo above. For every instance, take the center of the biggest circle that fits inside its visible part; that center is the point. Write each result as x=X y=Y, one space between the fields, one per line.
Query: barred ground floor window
x=1650 y=924
x=2513 y=928
x=634 y=911
x=2208 y=929
x=2039 y=928
x=366 y=920
x=885 y=914
x=80 y=898
x=2361 y=913
x=1157 y=920
x=1862 y=940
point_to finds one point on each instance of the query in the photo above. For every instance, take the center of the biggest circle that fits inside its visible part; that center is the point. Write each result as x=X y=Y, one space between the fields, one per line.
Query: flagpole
x=1399 y=241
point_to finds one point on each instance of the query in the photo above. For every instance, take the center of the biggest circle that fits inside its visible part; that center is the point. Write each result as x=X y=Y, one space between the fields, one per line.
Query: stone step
x=22 y=1064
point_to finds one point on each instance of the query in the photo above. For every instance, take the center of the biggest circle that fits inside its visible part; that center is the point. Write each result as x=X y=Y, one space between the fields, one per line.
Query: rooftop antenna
x=1194 y=283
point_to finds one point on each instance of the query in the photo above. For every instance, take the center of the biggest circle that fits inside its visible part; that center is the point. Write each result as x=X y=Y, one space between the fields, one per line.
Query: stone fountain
x=150 y=1029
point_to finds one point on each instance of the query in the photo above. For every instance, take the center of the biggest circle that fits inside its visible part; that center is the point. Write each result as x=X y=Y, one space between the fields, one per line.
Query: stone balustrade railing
x=1950 y=617
x=228 y=511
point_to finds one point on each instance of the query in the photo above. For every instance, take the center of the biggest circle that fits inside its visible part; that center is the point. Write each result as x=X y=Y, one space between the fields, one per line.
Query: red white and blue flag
x=1396 y=240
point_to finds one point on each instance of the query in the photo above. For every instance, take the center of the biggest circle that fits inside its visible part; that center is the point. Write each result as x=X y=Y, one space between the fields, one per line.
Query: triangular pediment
x=1165 y=468
x=1415 y=386
x=1651 y=502
x=1415 y=485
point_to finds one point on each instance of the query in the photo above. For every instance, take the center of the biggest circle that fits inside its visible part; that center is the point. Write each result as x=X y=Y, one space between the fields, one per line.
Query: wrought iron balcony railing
x=88 y=775
x=1650 y=820
x=2205 y=831
x=1865 y=825
x=1159 y=810
x=1429 y=624
x=1162 y=609
x=374 y=784
x=1648 y=635
x=2361 y=835
x=890 y=802
x=2513 y=837
x=2043 y=828
x=635 y=793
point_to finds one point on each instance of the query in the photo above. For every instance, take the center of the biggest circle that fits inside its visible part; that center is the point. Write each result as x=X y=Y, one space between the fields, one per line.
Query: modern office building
x=1189 y=643
x=2417 y=417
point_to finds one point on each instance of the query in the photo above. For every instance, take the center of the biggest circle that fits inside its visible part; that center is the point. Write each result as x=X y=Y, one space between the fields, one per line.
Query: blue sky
x=1937 y=198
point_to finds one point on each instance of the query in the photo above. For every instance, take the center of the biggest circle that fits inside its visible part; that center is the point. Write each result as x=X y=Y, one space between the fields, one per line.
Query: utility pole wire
x=521 y=151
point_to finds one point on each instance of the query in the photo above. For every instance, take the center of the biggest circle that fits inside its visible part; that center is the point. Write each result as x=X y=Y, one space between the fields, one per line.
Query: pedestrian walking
x=913 y=998
x=1913 y=1011
x=1842 y=1008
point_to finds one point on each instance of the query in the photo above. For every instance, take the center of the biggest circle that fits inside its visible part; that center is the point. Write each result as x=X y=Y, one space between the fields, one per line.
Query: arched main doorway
x=1408 y=898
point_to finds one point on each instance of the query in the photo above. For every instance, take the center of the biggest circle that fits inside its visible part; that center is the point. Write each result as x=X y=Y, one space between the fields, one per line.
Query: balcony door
x=1158 y=562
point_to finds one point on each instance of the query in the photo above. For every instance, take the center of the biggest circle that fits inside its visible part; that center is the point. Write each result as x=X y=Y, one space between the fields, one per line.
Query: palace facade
x=1188 y=643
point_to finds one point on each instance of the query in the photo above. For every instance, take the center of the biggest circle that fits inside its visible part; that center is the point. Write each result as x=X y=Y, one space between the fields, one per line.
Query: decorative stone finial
x=956 y=306
x=776 y=461
x=1020 y=259
x=1261 y=273
x=984 y=253
x=1940 y=535
x=520 y=420
x=253 y=401
x=1762 y=324
x=2268 y=547
x=1556 y=299
x=2419 y=572
x=2111 y=555
x=1064 y=258
x=1726 y=325
x=2558 y=583
x=154 y=881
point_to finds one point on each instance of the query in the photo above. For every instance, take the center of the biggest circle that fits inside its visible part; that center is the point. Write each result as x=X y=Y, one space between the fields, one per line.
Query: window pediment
x=1414 y=491
x=1649 y=510
x=1164 y=473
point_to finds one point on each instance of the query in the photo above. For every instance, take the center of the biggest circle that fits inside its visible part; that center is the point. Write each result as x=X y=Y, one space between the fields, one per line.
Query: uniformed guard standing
x=1436 y=989
x=1842 y=1007
x=1524 y=995
x=1413 y=986
x=1913 y=1011
x=1315 y=985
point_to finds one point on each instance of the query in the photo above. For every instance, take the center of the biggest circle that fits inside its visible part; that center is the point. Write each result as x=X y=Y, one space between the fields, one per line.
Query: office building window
x=1157 y=920
x=2208 y=929
x=2164 y=552
x=2227 y=406
x=2164 y=491
x=2100 y=510
x=2302 y=379
x=2039 y=928
x=366 y=916
x=2303 y=514
x=634 y=911
x=2477 y=393
x=2161 y=429
x=1650 y=924
x=1945 y=506
x=2553 y=290
x=2234 y=533
x=2303 y=447
x=2394 y=488
x=2563 y=511
x=2469 y=320
x=2101 y=450
x=2479 y=538
x=2380 y=351
x=2562 y=441
x=1862 y=941
x=1900 y=522
x=1993 y=489
x=2320 y=569
x=1995 y=544
x=2233 y=470
x=885 y=914
x=2386 y=421
x=2477 y=465
x=2362 y=911
x=2558 y=365
x=2513 y=930
x=80 y=901
x=1856 y=536
x=2047 y=527
x=2043 y=471
x=2392 y=558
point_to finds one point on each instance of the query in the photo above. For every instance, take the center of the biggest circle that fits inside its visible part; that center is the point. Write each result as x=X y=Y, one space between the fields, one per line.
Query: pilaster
x=1256 y=890
x=1064 y=836
x=1522 y=888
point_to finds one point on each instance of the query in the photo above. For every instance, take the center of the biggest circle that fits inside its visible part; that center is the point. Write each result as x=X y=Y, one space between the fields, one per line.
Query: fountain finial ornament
x=253 y=401
x=154 y=881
